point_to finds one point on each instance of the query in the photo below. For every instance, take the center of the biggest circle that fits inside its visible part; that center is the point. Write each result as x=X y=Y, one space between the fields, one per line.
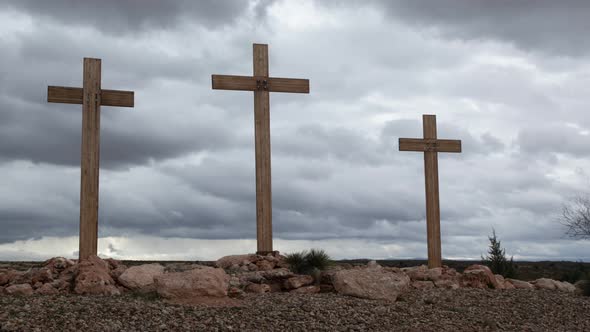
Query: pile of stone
x=234 y=276
x=96 y=276
x=253 y=273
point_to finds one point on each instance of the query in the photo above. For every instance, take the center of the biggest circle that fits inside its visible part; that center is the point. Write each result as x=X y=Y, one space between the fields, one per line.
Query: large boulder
x=565 y=286
x=544 y=283
x=519 y=284
x=20 y=289
x=46 y=289
x=199 y=282
x=298 y=281
x=479 y=276
x=417 y=272
x=94 y=278
x=227 y=261
x=141 y=278
x=371 y=283
x=42 y=275
x=7 y=276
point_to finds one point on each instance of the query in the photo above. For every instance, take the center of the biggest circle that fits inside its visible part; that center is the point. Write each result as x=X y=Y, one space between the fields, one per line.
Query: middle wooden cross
x=431 y=146
x=261 y=84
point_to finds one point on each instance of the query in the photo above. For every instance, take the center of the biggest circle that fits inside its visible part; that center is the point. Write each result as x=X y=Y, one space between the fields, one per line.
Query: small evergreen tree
x=496 y=258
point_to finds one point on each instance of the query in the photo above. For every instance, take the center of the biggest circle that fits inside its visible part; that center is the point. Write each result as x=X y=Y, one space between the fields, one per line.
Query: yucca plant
x=297 y=261
x=305 y=262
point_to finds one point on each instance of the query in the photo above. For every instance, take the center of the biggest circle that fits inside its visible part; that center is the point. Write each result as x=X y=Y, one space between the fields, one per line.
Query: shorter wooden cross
x=430 y=145
x=261 y=84
x=91 y=96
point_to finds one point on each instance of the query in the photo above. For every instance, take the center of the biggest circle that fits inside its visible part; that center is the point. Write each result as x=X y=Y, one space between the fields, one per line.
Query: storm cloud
x=509 y=79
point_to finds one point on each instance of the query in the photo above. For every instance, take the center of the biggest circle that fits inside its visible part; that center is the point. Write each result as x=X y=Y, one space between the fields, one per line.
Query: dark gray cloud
x=180 y=165
x=552 y=27
x=554 y=139
x=133 y=16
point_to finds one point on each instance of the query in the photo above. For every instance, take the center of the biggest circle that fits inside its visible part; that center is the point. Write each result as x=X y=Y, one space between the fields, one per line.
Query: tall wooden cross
x=261 y=84
x=431 y=146
x=91 y=96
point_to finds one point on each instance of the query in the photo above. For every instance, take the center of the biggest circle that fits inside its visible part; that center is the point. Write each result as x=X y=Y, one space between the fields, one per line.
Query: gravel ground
x=432 y=310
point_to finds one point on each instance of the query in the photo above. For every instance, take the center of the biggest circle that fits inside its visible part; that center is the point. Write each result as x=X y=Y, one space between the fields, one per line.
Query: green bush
x=308 y=262
x=496 y=259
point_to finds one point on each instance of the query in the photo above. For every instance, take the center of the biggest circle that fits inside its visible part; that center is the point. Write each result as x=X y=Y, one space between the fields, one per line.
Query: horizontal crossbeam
x=69 y=95
x=253 y=83
x=424 y=145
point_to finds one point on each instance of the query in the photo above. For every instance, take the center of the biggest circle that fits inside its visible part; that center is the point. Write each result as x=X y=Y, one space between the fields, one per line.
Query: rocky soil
x=253 y=293
x=464 y=309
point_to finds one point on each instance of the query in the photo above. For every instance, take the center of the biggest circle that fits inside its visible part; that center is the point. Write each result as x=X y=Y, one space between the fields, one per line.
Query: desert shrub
x=308 y=262
x=586 y=287
x=580 y=273
x=496 y=259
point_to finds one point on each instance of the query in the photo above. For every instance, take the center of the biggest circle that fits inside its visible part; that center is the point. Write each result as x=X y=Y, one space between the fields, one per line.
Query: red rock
x=422 y=284
x=58 y=264
x=46 y=289
x=19 y=289
x=113 y=263
x=94 y=278
x=227 y=261
x=298 y=281
x=307 y=290
x=416 y=272
x=42 y=275
x=519 y=284
x=4 y=278
x=258 y=288
x=479 y=276
x=508 y=285
x=500 y=280
x=371 y=283
x=141 y=278
x=434 y=274
x=265 y=265
x=203 y=281
x=118 y=271
x=544 y=283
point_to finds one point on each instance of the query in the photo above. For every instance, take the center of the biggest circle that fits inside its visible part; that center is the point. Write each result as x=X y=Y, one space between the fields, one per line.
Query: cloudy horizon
x=509 y=79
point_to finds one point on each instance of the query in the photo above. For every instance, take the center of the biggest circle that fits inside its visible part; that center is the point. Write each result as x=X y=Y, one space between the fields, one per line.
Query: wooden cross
x=261 y=84
x=91 y=96
x=430 y=145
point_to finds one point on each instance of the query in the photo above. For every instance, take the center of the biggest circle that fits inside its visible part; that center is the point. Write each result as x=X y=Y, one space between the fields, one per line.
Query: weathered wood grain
x=262 y=85
x=91 y=96
x=263 y=161
x=248 y=83
x=90 y=158
x=431 y=146
x=69 y=95
x=422 y=145
x=432 y=195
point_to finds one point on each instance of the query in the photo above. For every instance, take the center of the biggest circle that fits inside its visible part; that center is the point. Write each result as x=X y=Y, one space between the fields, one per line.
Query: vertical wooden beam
x=90 y=158
x=262 y=150
x=432 y=197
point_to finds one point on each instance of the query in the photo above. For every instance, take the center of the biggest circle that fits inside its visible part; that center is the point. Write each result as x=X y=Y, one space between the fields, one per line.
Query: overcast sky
x=511 y=79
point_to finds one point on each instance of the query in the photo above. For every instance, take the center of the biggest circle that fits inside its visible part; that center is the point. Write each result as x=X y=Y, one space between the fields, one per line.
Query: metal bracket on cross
x=262 y=84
